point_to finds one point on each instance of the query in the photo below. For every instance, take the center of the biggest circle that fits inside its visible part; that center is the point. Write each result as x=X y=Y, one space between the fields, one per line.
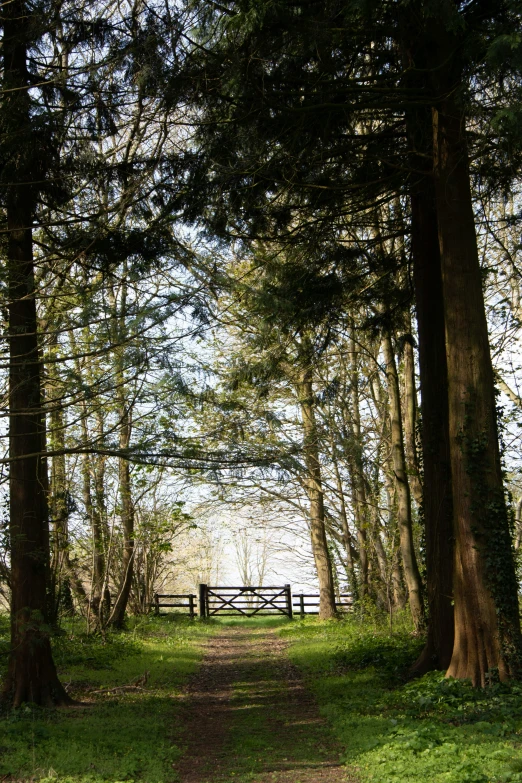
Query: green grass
x=130 y=736
x=430 y=729
x=392 y=730
x=258 y=621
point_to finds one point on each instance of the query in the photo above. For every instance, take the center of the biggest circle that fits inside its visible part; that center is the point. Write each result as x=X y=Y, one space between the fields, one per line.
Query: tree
x=82 y=147
x=32 y=675
x=487 y=626
x=411 y=569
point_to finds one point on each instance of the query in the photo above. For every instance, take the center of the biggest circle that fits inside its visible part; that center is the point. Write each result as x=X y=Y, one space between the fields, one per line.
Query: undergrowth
x=128 y=735
x=394 y=729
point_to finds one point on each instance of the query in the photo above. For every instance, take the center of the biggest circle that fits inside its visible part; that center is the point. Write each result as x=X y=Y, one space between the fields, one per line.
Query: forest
x=261 y=294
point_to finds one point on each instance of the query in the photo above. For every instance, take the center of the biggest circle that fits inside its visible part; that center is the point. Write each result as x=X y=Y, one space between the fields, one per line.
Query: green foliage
x=113 y=736
x=431 y=728
x=93 y=651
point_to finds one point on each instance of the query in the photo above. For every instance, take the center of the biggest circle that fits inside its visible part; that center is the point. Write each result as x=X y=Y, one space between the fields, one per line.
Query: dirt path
x=247 y=717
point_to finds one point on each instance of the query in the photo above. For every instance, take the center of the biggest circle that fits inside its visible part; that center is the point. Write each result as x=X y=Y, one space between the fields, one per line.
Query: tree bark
x=31 y=674
x=409 y=560
x=487 y=626
x=117 y=616
x=61 y=566
x=327 y=608
x=410 y=420
x=437 y=510
x=93 y=513
x=347 y=536
x=357 y=471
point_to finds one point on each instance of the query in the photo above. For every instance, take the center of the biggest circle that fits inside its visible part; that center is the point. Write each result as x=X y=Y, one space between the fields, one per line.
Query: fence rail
x=188 y=598
x=246 y=601
x=344 y=604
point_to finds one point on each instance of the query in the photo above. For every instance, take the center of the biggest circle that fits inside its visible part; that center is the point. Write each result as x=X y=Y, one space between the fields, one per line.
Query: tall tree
x=487 y=625
x=314 y=488
x=398 y=460
x=32 y=675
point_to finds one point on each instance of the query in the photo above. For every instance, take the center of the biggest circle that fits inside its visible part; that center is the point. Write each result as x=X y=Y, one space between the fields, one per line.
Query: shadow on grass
x=395 y=731
x=118 y=735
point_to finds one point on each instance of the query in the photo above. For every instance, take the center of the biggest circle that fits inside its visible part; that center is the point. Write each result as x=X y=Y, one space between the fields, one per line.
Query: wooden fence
x=189 y=602
x=245 y=601
x=302 y=603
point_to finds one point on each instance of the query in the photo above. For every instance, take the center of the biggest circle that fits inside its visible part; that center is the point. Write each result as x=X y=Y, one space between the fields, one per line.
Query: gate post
x=202 y=600
x=301 y=605
x=156 y=604
x=191 y=606
x=289 y=601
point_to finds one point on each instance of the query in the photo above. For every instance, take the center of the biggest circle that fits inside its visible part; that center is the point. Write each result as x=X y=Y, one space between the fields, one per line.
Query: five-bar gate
x=244 y=601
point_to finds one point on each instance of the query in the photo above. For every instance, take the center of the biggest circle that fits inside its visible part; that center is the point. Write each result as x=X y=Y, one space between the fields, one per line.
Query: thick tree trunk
x=487 y=627
x=320 y=551
x=437 y=501
x=409 y=560
x=427 y=278
x=31 y=675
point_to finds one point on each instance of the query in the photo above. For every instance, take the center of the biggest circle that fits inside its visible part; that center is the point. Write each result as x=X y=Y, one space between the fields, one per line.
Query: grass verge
x=429 y=729
x=119 y=736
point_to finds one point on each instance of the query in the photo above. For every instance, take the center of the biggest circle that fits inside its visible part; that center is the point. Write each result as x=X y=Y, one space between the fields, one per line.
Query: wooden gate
x=244 y=601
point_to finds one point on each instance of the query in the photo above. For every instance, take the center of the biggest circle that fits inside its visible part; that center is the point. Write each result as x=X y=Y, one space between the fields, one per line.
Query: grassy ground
x=126 y=736
x=430 y=729
x=391 y=730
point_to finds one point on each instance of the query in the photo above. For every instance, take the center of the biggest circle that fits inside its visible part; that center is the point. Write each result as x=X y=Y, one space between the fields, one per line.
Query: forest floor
x=259 y=701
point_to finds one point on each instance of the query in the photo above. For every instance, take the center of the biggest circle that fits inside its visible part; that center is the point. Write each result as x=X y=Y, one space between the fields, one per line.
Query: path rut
x=247 y=716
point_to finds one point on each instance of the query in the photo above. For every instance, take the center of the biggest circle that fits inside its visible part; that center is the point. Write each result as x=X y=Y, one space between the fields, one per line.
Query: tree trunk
x=487 y=626
x=62 y=567
x=357 y=471
x=410 y=420
x=518 y=525
x=347 y=536
x=397 y=582
x=101 y=529
x=320 y=551
x=58 y=506
x=409 y=560
x=117 y=616
x=31 y=674
x=437 y=501
x=382 y=560
x=98 y=559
